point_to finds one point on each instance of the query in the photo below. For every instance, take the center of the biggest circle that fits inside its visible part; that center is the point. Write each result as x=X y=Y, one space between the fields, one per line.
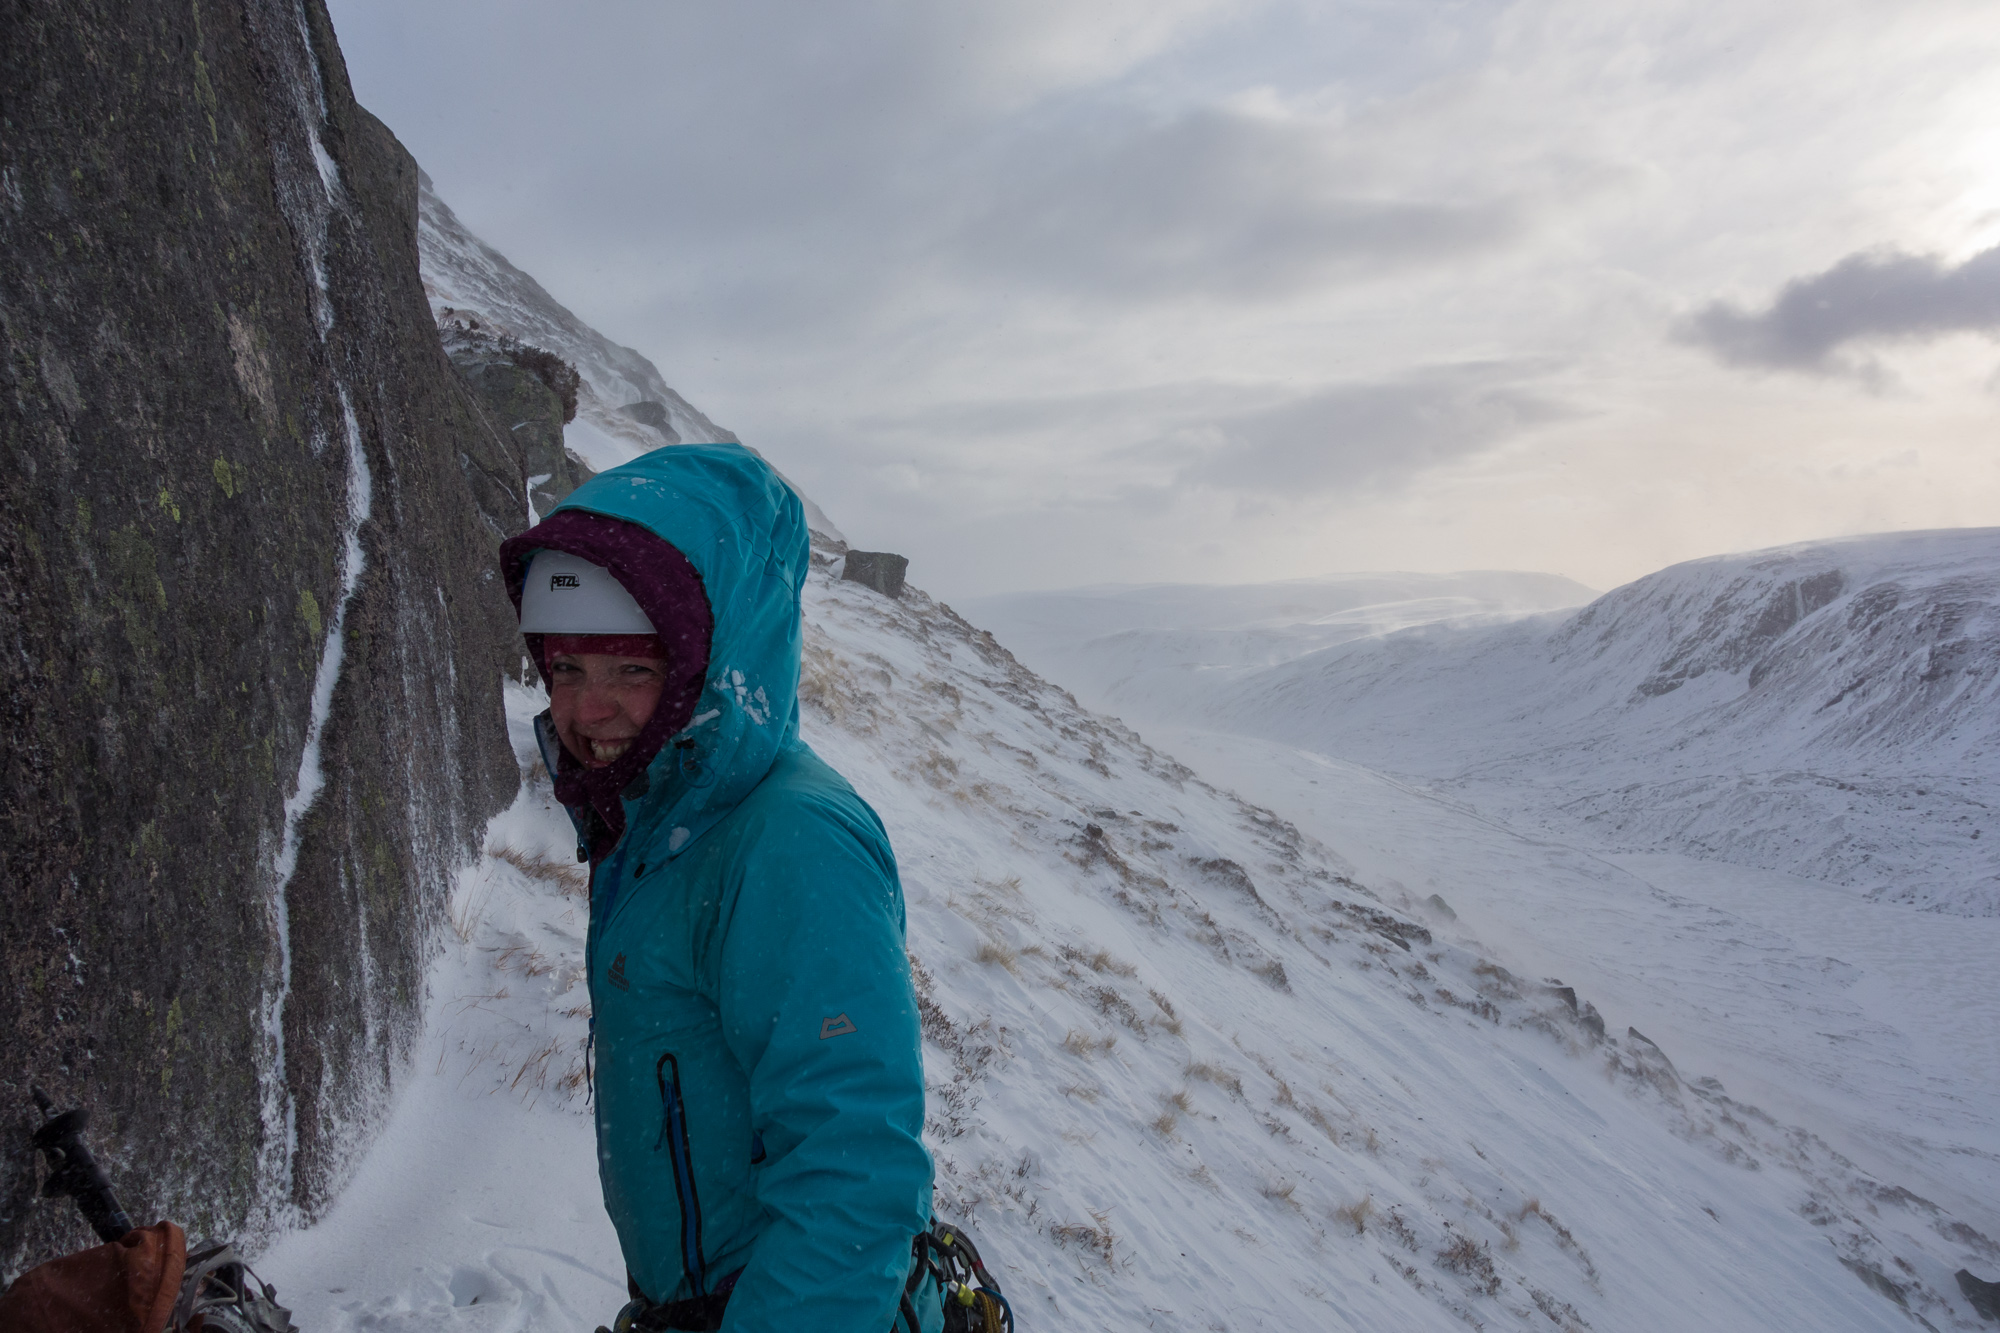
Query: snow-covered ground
x=1877 y=1026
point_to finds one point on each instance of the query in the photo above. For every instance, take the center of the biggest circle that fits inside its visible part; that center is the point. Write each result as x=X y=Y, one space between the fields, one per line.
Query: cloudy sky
x=1044 y=293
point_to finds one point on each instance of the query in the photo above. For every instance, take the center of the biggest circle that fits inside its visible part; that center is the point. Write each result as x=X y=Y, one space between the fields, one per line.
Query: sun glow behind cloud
x=1050 y=294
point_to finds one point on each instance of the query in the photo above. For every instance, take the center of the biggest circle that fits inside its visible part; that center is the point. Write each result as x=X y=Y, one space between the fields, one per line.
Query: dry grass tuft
x=1281 y=1191
x=1084 y=1045
x=467 y=910
x=1165 y=1123
x=1356 y=1214
x=992 y=953
x=1102 y=961
x=1400 y=1229
x=1096 y=1238
x=823 y=684
x=1533 y=1208
x=531 y=961
x=1171 y=1024
x=1468 y=1257
x=1217 y=1075
x=1273 y=975
x=568 y=876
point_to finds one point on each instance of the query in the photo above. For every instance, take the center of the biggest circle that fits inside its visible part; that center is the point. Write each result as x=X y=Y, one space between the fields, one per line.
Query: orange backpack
x=127 y=1286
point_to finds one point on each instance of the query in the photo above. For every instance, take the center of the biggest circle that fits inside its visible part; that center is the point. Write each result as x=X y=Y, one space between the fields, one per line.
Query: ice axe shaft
x=74 y=1172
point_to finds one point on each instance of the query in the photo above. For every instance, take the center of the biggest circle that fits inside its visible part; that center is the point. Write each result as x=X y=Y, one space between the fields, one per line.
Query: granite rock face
x=246 y=599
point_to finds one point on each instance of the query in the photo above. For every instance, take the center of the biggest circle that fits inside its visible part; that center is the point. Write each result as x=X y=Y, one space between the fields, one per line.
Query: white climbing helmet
x=566 y=594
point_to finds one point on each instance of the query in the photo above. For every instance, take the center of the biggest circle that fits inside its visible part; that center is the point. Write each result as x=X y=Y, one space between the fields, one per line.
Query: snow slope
x=463 y=274
x=1873 y=1025
x=625 y=407
x=1186 y=1072
x=1826 y=710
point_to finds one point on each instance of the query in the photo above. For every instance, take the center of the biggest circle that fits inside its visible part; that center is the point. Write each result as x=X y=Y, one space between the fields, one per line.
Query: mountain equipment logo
x=563 y=581
x=617 y=975
x=837 y=1026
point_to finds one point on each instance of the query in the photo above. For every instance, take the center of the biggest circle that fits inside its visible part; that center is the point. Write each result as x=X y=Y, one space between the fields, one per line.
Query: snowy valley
x=1193 y=1064
x=1826 y=710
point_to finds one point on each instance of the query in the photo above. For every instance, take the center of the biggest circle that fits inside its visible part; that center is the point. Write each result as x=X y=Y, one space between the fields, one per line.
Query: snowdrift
x=1827 y=710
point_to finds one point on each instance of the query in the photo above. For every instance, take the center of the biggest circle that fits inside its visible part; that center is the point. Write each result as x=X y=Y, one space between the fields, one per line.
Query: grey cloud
x=1092 y=413
x=1214 y=202
x=1883 y=294
x=1242 y=438
x=1368 y=434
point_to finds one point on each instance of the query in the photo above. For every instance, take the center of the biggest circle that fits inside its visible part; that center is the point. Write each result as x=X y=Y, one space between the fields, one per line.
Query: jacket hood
x=744 y=533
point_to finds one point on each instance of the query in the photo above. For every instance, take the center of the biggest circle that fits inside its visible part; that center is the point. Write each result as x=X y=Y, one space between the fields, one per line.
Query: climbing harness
x=946 y=1255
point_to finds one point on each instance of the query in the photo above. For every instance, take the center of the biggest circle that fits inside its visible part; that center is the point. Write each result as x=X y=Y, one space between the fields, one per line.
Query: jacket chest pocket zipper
x=674 y=1140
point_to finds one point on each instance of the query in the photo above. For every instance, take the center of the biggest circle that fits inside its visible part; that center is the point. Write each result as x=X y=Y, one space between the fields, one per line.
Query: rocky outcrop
x=530 y=394
x=881 y=570
x=649 y=413
x=240 y=564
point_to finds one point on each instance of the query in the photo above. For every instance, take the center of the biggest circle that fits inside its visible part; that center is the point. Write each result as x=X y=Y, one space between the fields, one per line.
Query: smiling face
x=601 y=702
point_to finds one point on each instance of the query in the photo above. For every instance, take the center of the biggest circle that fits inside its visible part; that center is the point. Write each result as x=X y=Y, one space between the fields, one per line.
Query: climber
x=758 y=1081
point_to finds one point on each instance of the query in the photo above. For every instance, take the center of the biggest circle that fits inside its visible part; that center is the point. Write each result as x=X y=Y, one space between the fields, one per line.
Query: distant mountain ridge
x=1145 y=649
x=1826 y=709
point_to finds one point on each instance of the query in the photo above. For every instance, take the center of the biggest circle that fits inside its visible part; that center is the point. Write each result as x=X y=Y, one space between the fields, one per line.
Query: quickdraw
x=971 y=1297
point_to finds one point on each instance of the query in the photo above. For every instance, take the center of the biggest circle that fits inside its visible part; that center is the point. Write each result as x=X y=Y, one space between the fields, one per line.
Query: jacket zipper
x=674 y=1138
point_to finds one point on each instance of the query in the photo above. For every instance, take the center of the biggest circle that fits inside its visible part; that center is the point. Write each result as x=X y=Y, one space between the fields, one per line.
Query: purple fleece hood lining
x=669 y=590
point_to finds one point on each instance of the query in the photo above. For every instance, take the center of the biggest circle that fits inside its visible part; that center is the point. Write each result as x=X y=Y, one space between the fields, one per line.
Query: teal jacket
x=759 y=1079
